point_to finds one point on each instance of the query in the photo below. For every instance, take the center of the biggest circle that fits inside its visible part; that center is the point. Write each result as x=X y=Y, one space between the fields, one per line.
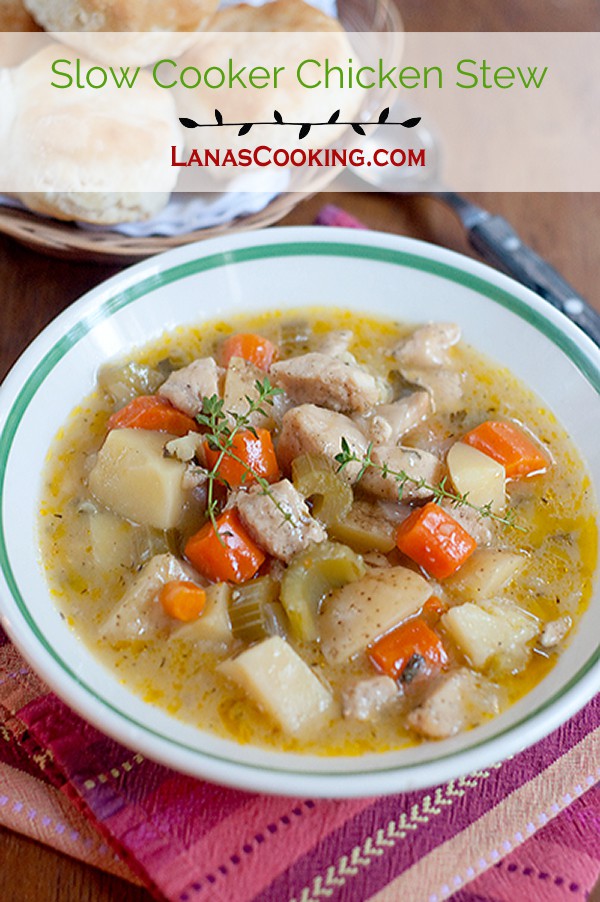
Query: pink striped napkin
x=526 y=829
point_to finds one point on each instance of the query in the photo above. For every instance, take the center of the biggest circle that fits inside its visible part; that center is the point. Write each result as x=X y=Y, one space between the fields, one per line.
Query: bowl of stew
x=307 y=511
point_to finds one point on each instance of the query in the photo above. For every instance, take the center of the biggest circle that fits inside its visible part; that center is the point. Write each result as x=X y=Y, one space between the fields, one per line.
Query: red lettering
x=174 y=160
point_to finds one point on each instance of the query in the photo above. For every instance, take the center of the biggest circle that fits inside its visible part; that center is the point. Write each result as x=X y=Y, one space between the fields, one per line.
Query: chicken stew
x=318 y=531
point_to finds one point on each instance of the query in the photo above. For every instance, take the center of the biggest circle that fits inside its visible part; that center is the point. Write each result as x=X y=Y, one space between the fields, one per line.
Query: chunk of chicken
x=279 y=522
x=427 y=347
x=458 y=701
x=477 y=526
x=240 y=384
x=187 y=447
x=555 y=631
x=423 y=359
x=391 y=421
x=444 y=386
x=320 y=379
x=185 y=388
x=139 y=612
x=194 y=477
x=308 y=429
x=336 y=344
x=363 y=699
x=415 y=463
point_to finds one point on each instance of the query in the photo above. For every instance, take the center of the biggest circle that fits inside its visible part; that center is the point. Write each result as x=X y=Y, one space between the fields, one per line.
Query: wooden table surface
x=564 y=228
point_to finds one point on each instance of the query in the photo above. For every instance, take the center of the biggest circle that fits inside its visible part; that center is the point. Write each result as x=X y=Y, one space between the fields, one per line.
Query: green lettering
x=485 y=69
x=65 y=75
x=259 y=77
x=299 y=73
x=155 y=73
x=387 y=76
x=504 y=74
x=462 y=69
x=438 y=72
x=236 y=76
x=409 y=78
x=532 y=76
x=124 y=79
x=359 y=81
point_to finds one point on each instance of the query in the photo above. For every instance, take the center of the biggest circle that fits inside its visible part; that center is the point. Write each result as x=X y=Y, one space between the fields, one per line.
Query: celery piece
x=124 y=382
x=309 y=578
x=255 y=611
x=315 y=478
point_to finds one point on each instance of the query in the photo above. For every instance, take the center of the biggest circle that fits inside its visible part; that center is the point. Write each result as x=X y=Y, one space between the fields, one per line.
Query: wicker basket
x=67 y=240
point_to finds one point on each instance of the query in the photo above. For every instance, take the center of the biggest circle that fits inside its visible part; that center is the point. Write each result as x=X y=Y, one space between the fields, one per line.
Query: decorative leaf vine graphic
x=305 y=127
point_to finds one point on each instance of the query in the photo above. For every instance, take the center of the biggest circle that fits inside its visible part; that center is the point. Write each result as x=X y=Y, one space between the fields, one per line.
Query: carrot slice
x=253 y=348
x=154 y=413
x=392 y=653
x=225 y=554
x=434 y=540
x=256 y=458
x=510 y=446
x=182 y=600
x=435 y=607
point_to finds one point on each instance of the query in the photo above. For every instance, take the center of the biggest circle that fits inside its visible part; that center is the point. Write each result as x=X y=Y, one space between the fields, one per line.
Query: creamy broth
x=554 y=513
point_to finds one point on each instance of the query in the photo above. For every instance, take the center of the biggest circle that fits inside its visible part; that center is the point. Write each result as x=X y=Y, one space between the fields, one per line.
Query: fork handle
x=498 y=243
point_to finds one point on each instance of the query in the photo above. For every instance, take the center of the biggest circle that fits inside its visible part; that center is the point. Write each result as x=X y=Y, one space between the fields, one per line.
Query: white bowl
x=280 y=268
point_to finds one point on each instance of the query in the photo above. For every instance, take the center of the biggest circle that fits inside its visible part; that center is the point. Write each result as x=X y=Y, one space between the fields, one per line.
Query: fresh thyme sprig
x=440 y=491
x=222 y=427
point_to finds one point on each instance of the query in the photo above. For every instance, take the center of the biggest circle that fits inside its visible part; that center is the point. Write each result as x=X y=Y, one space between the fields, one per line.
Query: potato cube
x=363 y=610
x=498 y=630
x=133 y=479
x=139 y=614
x=474 y=631
x=213 y=623
x=485 y=574
x=364 y=528
x=113 y=540
x=477 y=475
x=276 y=678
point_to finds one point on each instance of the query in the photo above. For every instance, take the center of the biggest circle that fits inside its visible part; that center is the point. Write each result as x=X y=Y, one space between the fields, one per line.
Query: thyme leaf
x=221 y=429
x=440 y=491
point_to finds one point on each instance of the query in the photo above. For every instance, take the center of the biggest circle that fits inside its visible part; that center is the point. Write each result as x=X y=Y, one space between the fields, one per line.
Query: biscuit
x=167 y=25
x=18 y=33
x=280 y=33
x=14 y=17
x=85 y=155
x=277 y=15
x=121 y=15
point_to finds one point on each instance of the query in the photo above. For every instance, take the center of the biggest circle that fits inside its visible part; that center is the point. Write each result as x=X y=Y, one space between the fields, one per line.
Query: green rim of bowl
x=243 y=255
